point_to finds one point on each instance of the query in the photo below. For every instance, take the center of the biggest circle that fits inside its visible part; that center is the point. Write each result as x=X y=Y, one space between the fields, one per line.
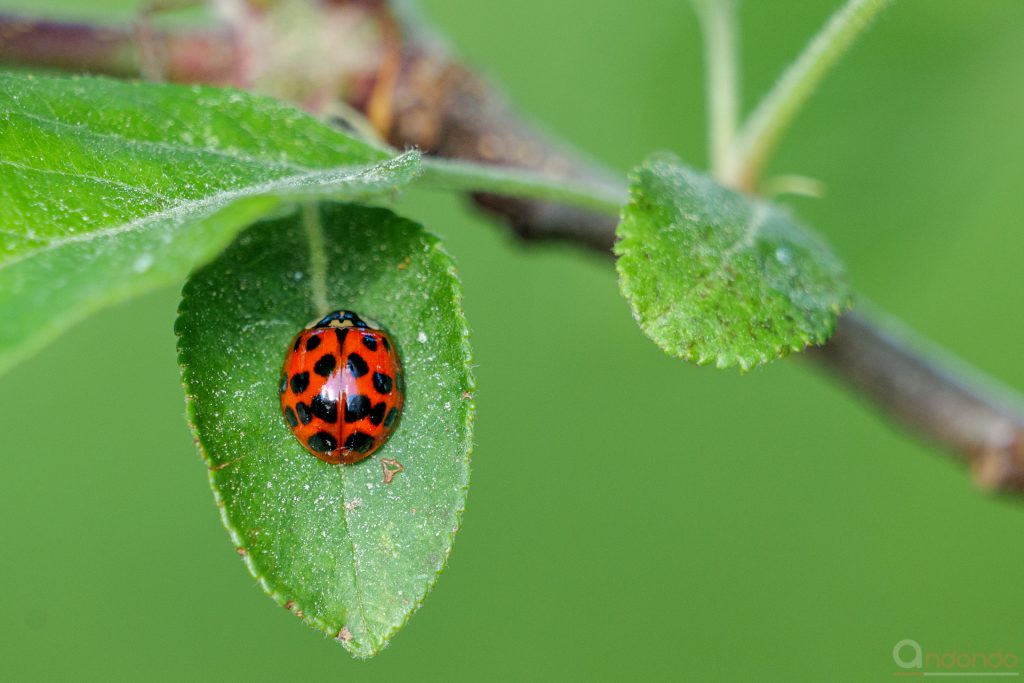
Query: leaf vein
x=165 y=146
x=87 y=176
x=316 y=244
x=188 y=209
x=744 y=241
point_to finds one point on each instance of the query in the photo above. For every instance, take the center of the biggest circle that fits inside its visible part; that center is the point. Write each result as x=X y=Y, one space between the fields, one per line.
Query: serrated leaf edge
x=190 y=400
x=720 y=361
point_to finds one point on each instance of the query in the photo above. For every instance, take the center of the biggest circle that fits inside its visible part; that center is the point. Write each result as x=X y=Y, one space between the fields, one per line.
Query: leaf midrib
x=164 y=146
x=87 y=176
x=758 y=217
x=315 y=241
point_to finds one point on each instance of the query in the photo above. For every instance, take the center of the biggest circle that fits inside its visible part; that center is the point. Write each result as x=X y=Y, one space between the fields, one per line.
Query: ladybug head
x=342 y=318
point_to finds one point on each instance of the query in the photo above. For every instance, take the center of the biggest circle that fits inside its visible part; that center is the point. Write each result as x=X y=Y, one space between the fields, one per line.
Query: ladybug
x=341 y=388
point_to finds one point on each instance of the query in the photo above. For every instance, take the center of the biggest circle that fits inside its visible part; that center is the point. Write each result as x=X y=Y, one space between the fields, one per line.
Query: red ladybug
x=341 y=388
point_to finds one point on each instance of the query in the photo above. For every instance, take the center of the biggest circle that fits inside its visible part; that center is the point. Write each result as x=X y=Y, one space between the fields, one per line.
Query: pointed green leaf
x=110 y=189
x=338 y=546
x=714 y=276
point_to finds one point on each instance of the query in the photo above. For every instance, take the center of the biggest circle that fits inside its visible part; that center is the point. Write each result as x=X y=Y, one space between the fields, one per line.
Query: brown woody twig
x=416 y=94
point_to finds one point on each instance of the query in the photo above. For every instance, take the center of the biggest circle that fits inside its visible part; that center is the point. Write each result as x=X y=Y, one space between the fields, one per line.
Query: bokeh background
x=630 y=517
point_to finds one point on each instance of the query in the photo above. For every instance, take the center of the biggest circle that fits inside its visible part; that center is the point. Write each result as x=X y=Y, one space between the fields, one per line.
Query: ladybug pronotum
x=341 y=388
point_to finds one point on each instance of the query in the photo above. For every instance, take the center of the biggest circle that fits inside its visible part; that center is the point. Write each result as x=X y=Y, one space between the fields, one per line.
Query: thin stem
x=464 y=176
x=317 y=257
x=719 y=28
x=764 y=128
x=793 y=184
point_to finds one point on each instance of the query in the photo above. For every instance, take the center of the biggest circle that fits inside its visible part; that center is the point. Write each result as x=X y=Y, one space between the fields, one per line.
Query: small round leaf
x=714 y=276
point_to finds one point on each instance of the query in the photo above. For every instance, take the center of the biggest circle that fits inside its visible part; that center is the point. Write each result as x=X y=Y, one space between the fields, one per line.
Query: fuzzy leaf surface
x=714 y=276
x=349 y=554
x=111 y=189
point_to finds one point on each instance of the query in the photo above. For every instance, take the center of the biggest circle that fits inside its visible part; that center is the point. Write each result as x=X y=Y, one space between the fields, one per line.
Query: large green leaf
x=714 y=276
x=109 y=189
x=348 y=553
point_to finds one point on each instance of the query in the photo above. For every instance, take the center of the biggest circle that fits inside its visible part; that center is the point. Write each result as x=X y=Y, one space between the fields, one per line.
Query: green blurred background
x=646 y=519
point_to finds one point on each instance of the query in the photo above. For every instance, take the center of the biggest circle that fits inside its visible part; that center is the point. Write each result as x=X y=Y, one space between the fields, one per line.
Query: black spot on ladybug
x=400 y=382
x=300 y=381
x=324 y=409
x=370 y=342
x=313 y=342
x=382 y=383
x=356 y=408
x=303 y=411
x=289 y=416
x=284 y=384
x=325 y=365
x=356 y=365
x=298 y=340
x=341 y=333
x=359 y=442
x=377 y=414
x=322 y=442
x=389 y=421
x=387 y=344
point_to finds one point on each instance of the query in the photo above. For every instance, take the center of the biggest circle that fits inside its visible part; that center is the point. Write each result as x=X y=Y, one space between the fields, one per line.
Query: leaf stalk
x=462 y=176
x=720 y=28
x=764 y=128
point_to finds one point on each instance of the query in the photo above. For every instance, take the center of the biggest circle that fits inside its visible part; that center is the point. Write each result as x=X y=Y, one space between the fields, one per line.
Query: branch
x=420 y=96
x=939 y=397
x=188 y=56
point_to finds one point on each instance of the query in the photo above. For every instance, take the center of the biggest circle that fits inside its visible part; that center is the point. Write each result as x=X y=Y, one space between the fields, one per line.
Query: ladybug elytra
x=341 y=388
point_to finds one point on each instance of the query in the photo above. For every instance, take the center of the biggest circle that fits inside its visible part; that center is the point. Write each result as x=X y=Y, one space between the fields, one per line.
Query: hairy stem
x=719 y=28
x=762 y=131
x=447 y=174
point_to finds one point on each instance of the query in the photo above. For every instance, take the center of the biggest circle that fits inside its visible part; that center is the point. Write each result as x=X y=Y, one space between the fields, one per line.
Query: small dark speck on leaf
x=217 y=468
x=241 y=551
x=391 y=467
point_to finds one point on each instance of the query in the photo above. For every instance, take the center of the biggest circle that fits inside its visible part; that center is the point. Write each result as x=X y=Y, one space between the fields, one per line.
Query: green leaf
x=333 y=543
x=714 y=276
x=110 y=189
